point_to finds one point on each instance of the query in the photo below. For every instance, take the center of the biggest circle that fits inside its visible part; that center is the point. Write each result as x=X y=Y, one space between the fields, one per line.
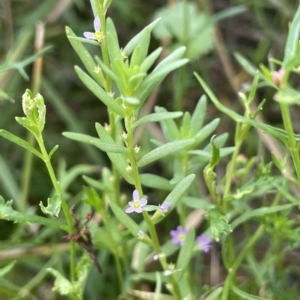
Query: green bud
x=34 y=109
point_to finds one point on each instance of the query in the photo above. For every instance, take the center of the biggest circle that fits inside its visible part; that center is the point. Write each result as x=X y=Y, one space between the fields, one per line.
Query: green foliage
x=199 y=181
x=187 y=26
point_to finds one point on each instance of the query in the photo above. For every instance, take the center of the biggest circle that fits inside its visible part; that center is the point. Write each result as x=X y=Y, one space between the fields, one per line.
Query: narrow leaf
x=206 y=131
x=97 y=184
x=292 y=39
x=99 y=92
x=117 y=159
x=164 y=151
x=156 y=182
x=155 y=117
x=125 y=219
x=7 y=268
x=22 y=143
x=259 y=212
x=199 y=114
x=245 y=295
x=174 y=197
x=84 y=55
x=150 y=59
x=215 y=294
x=136 y=39
x=9 y=214
x=106 y=147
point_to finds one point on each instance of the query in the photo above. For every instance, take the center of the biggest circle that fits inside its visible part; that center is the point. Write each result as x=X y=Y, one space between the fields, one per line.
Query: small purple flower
x=136 y=204
x=203 y=242
x=165 y=206
x=97 y=35
x=178 y=235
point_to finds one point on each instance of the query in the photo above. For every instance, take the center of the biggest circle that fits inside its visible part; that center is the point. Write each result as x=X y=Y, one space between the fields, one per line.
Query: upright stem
x=292 y=144
x=136 y=177
x=64 y=204
x=232 y=271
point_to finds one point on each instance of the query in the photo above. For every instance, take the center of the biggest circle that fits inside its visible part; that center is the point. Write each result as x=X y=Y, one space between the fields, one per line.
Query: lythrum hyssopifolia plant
x=154 y=234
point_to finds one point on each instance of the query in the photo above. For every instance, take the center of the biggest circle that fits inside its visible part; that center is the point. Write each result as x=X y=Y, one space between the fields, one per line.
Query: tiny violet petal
x=89 y=35
x=175 y=240
x=97 y=24
x=203 y=242
x=178 y=235
x=129 y=210
x=131 y=204
x=136 y=195
x=165 y=206
x=143 y=202
x=140 y=233
x=138 y=210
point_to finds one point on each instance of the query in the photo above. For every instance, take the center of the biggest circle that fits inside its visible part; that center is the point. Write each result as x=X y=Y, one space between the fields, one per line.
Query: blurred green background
x=256 y=29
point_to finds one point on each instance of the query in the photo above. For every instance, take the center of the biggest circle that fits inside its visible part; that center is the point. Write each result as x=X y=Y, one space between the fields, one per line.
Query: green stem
x=232 y=271
x=136 y=177
x=64 y=204
x=291 y=138
x=26 y=173
x=115 y=252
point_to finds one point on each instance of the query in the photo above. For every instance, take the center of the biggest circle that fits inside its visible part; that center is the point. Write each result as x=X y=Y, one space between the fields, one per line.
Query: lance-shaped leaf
x=112 y=42
x=125 y=219
x=199 y=114
x=163 y=151
x=174 y=56
x=158 y=76
x=169 y=127
x=140 y=52
x=174 y=197
x=132 y=44
x=291 y=46
x=106 y=147
x=9 y=214
x=99 y=92
x=85 y=56
x=117 y=159
x=245 y=295
x=156 y=182
x=5 y=96
x=22 y=143
x=206 y=131
x=97 y=184
x=150 y=59
x=7 y=268
x=215 y=295
x=159 y=116
x=259 y=212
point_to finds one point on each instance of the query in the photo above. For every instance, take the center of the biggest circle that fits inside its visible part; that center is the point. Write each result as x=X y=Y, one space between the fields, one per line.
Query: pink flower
x=203 y=242
x=277 y=76
x=178 y=235
x=136 y=204
x=165 y=206
x=97 y=35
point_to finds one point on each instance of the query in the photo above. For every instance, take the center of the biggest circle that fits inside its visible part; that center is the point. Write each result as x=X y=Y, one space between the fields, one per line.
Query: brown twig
x=83 y=237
